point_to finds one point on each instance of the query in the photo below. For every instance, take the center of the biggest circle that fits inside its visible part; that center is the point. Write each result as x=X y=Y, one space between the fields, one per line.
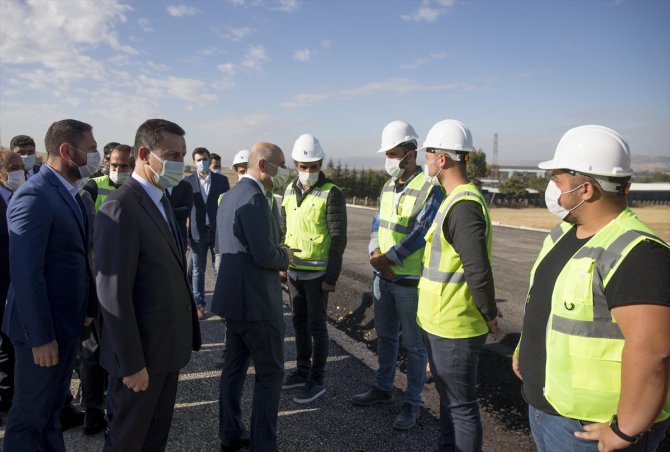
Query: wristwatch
x=614 y=425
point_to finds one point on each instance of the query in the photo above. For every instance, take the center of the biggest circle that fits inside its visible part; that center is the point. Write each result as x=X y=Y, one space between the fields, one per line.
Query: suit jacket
x=4 y=256
x=247 y=286
x=52 y=285
x=218 y=185
x=148 y=312
x=181 y=200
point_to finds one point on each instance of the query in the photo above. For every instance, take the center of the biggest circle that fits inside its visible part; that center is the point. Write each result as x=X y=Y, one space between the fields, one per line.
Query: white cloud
x=187 y=89
x=302 y=55
x=227 y=81
x=392 y=86
x=145 y=24
x=424 y=60
x=245 y=129
x=182 y=10
x=326 y=43
x=287 y=6
x=255 y=58
x=157 y=66
x=237 y=34
x=428 y=11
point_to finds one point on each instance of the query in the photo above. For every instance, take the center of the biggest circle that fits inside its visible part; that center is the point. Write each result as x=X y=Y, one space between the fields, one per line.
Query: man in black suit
x=11 y=177
x=207 y=188
x=25 y=147
x=181 y=200
x=150 y=325
x=248 y=295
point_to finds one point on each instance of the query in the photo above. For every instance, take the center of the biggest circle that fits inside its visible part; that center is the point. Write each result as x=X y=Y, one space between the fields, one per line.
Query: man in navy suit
x=207 y=187
x=248 y=295
x=52 y=291
x=25 y=147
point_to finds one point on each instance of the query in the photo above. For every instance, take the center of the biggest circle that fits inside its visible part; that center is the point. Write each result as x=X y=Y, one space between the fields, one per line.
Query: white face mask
x=171 y=173
x=15 y=179
x=91 y=165
x=215 y=170
x=279 y=180
x=307 y=179
x=202 y=166
x=551 y=197
x=433 y=180
x=28 y=161
x=394 y=168
x=117 y=177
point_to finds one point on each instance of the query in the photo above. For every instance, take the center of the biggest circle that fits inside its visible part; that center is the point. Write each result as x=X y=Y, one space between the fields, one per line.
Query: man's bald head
x=262 y=151
x=264 y=159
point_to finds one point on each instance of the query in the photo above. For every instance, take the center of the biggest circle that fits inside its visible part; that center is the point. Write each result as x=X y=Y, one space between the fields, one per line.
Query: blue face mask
x=202 y=166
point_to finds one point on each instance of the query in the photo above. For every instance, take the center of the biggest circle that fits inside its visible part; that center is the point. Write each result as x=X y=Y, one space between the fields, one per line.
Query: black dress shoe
x=70 y=417
x=94 y=426
x=235 y=444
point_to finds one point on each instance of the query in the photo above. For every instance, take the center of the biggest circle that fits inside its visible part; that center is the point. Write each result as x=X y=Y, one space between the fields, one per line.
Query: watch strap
x=614 y=425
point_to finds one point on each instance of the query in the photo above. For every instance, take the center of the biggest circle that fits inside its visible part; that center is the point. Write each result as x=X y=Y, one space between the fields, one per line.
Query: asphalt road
x=514 y=251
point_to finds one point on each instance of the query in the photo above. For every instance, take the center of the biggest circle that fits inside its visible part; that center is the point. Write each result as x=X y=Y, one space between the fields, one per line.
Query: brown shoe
x=201 y=312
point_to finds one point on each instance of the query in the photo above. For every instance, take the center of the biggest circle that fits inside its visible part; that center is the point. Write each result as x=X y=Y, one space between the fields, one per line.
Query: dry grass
x=656 y=217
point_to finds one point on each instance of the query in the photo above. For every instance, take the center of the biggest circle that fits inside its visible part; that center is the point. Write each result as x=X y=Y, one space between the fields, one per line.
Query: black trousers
x=140 y=421
x=6 y=372
x=93 y=377
x=310 y=305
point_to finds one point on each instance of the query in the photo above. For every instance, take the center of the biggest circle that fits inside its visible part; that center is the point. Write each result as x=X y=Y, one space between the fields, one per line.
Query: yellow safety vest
x=105 y=188
x=307 y=228
x=584 y=342
x=446 y=306
x=396 y=221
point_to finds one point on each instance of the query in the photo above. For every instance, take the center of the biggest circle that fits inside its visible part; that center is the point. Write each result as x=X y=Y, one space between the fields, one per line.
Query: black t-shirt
x=642 y=278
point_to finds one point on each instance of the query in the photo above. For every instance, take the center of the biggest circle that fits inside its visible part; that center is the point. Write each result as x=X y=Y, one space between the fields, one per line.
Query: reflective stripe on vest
x=397 y=220
x=307 y=227
x=446 y=306
x=105 y=188
x=584 y=343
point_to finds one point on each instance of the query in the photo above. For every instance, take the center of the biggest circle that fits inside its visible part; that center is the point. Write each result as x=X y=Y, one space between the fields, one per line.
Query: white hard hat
x=595 y=151
x=307 y=149
x=396 y=133
x=449 y=135
x=241 y=157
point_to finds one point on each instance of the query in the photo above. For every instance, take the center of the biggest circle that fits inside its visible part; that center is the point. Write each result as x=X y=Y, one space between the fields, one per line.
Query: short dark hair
x=20 y=141
x=214 y=156
x=64 y=131
x=107 y=150
x=150 y=133
x=200 y=151
x=408 y=146
x=121 y=147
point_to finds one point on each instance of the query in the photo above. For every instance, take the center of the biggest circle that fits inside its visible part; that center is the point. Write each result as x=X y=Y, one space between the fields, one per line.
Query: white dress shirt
x=155 y=193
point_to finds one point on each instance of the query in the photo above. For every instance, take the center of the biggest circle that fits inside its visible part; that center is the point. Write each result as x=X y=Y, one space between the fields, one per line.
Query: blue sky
x=235 y=72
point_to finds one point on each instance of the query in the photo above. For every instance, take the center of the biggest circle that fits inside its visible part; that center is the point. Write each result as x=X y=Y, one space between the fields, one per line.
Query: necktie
x=171 y=221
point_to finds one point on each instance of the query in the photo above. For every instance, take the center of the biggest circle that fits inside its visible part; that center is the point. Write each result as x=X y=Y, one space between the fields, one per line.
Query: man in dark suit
x=52 y=289
x=181 y=200
x=248 y=295
x=149 y=320
x=207 y=187
x=11 y=177
x=25 y=147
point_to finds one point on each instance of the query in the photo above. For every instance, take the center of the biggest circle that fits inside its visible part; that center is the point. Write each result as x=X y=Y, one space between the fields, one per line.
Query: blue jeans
x=556 y=433
x=453 y=363
x=199 y=251
x=395 y=308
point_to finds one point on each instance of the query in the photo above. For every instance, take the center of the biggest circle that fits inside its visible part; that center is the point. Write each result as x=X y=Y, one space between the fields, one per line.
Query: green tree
x=538 y=183
x=514 y=187
x=477 y=165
